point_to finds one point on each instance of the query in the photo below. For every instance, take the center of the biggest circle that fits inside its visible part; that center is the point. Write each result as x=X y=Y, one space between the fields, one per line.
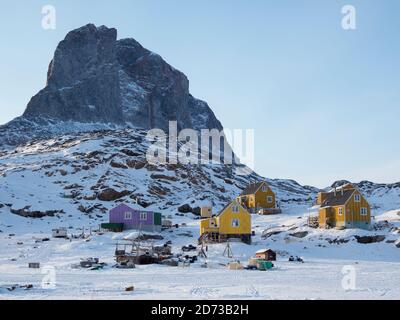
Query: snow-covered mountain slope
x=91 y=172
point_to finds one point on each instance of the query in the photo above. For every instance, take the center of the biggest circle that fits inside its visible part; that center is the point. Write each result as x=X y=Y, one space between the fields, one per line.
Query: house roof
x=126 y=207
x=230 y=203
x=123 y=205
x=339 y=199
x=223 y=209
x=252 y=188
x=265 y=251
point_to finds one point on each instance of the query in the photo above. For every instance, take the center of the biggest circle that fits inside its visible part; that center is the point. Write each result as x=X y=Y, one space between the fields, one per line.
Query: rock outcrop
x=370 y=239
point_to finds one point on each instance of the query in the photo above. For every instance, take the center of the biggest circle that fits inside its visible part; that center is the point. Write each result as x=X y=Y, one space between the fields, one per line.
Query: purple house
x=136 y=219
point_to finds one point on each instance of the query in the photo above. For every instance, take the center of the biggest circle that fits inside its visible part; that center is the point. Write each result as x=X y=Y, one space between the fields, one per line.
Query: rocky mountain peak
x=83 y=81
x=82 y=52
x=339 y=183
x=99 y=81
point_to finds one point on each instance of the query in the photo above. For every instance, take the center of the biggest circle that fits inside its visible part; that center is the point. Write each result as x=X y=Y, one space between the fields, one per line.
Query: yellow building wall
x=224 y=221
x=321 y=197
x=353 y=209
x=208 y=225
x=322 y=217
x=330 y=216
x=248 y=201
x=326 y=216
x=338 y=218
x=261 y=199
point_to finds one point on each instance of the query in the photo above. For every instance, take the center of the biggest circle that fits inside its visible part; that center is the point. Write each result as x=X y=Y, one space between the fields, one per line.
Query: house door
x=350 y=217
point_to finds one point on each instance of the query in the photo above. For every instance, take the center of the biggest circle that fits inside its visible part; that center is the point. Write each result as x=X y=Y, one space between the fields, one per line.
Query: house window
x=357 y=198
x=128 y=215
x=264 y=188
x=143 y=216
x=340 y=211
x=235 y=223
x=270 y=199
x=235 y=209
x=364 y=211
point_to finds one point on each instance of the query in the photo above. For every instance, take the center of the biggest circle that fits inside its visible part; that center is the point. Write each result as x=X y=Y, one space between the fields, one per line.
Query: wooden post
x=228 y=251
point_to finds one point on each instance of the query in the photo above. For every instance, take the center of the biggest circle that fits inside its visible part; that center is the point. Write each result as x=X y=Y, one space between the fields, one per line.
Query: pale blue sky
x=324 y=102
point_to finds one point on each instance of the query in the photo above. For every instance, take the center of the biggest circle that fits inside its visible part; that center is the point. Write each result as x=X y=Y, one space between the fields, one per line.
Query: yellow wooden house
x=234 y=221
x=259 y=198
x=344 y=208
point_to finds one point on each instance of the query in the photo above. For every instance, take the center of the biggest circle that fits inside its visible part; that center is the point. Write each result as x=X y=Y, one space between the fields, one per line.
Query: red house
x=266 y=254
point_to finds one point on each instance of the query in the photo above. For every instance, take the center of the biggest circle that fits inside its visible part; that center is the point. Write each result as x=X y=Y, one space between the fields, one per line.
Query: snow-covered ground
x=376 y=266
x=67 y=178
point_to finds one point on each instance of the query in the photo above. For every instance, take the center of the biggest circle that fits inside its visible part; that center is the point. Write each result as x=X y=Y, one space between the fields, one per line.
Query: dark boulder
x=369 y=239
x=300 y=234
x=118 y=165
x=111 y=194
x=267 y=233
x=185 y=208
x=36 y=214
